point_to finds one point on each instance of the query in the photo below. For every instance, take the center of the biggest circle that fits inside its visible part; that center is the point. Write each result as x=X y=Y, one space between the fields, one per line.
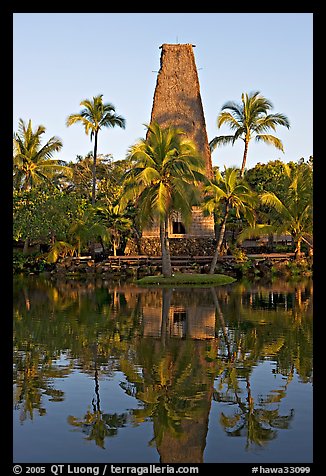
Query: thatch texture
x=177 y=98
x=177 y=103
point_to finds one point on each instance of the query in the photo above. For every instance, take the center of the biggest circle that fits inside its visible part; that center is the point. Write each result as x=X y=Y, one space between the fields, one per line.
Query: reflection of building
x=185 y=319
x=188 y=444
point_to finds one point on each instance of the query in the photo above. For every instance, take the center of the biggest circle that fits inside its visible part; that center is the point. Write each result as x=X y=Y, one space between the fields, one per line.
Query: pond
x=114 y=372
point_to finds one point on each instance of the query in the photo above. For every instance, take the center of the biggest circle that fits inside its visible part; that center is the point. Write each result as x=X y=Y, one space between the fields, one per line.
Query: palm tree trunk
x=25 y=249
x=165 y=248
x=244 y=159
x=220 y=240
x=271 y=241
x=297 y=251
x=221 y=318
x=166 y=304
x=94 y=169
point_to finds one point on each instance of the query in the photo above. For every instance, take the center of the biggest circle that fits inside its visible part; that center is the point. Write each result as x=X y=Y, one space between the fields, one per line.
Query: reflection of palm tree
x=33 y=377
x=221 y=319
x=96 y=424
x=166 y=304
x=258 y=423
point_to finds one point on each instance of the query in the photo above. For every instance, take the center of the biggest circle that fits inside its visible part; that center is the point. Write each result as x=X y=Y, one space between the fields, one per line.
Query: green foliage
x=239 y=254
x=269 y=177
x=109 y=176
x=86 y=228
x=292 y=211
x=230 y=191
x=32 y=161
x=33 y=263
x=43 y=215
x=274 y=177
x=191 y=279
x=59 y=249
x=118 y=224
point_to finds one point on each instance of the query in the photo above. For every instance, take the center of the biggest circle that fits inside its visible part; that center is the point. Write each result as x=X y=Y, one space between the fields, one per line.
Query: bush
x=33 y=263
x=239 y=254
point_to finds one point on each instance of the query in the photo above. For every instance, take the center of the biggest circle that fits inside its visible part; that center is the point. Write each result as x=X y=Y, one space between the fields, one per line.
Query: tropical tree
x=249 y=119
x=165 y=173
x=33 y=161
x=118 y=224
x=94 y=116
x=44 y=215
x=230 y=192
x=293 y=212
x=87 y=228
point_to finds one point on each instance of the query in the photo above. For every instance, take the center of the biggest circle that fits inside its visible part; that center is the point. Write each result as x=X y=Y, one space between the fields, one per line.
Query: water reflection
x=181 y=351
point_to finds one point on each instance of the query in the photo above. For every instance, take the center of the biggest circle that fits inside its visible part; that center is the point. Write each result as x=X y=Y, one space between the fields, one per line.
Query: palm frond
x=271 y=140
x=227 y=118
x=271 y=200
x=255 y=231
x=270 y=121
x=148 y=175
x=237 y=111
x=220 y=141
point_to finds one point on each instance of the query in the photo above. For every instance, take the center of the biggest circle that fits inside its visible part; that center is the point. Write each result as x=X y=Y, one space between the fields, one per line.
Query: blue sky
x=60 y=59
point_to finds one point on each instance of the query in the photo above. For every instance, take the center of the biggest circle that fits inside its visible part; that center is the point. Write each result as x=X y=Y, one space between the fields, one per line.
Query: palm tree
x=33 y=161
x=249 y=120
x=86 y=229
x=166 y=169
x=117 y=222
x=94 y=117
x=230 y=191
x=292 y=213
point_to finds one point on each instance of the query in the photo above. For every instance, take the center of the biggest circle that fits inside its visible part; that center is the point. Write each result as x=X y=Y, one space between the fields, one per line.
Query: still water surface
x=108 y=372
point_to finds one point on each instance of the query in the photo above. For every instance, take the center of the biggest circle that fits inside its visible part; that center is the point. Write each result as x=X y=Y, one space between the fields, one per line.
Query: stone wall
x=201 y=226
x=187 y=246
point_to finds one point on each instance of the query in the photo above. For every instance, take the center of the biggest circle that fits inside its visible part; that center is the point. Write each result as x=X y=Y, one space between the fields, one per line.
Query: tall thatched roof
x=177 y=98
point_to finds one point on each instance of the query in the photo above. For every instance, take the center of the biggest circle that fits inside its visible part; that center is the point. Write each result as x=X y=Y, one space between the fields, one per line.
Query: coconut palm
x=249 y=120
x=117 y=222
x=86 y=229
x=164 y=177
x=292 y=213
x=230 y=192
x=94 y=116
x=33 y=161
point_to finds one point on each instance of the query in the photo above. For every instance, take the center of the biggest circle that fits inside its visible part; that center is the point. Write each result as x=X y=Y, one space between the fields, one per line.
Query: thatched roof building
x=177 y=102
x=177 y=99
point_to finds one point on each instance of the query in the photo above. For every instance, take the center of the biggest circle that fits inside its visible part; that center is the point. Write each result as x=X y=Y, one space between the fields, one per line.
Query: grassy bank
x=187 y=279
